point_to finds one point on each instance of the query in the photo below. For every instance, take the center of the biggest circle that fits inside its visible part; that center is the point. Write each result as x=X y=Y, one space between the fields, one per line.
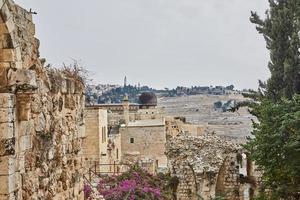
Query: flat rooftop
x=111 y=105
x=147 y=123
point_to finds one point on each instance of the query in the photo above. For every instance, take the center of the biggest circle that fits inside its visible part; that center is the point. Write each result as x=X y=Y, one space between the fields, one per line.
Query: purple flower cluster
x=87 y=191
x=131 y=185
x=155 y=191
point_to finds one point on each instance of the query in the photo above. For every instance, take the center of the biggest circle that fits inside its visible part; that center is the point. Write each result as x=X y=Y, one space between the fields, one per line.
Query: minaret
x=125 y=81
x=126 y=109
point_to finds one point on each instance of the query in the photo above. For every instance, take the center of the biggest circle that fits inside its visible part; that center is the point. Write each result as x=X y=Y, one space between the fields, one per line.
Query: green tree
x=281 y=32
x=275 y=147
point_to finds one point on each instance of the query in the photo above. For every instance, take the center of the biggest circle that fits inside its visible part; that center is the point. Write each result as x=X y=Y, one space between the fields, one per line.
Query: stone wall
x=206 y=166
x=151 y=113
x=41 y=117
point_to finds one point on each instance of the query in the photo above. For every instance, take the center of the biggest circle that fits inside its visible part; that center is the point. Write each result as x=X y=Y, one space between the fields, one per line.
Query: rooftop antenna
x=32 y=12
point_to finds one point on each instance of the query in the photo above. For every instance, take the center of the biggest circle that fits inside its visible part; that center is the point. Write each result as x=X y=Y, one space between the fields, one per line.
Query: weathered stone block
x=3 y=77
x=22 y=77
x=25 y=142
x=18 y=54
x=6 y=115
x=36 y=103
x=23 y=106
x=7 y=184
x=26 y=128
x=7 y=147
x=6 y=130
x=70 y=86
x=17 y=64
x=7 y=18
x=70 y=101
x=64 y=86
x=78 y=87
x=7 y=165
x=21 y=162
x=7 y=100
x=31 y=28
x=4 y=196
x=7 y=55
x=7 y=41
x=40 y=123
x=3 y=28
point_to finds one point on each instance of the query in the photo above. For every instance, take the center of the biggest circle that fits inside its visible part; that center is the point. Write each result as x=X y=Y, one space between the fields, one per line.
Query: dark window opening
x=131 y=140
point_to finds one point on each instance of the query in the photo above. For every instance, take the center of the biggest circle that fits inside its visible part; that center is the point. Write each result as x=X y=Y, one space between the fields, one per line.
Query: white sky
x=161 y=43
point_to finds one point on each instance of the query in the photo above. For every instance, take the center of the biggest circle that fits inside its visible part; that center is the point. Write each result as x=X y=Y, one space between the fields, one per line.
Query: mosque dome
x=148 y=99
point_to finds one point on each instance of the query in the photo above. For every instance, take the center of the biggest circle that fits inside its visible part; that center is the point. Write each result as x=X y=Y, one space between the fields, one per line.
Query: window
x=117 y=153
x=103 y=134
x=131 y=140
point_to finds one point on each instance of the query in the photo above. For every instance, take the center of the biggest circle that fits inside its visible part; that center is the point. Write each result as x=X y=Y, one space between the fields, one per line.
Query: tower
x=125 y=81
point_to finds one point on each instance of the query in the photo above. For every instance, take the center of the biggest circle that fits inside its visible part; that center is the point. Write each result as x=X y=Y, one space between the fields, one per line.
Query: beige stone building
x=137 y=133
x=96 y=140
x=177 y=125
x=144 y=140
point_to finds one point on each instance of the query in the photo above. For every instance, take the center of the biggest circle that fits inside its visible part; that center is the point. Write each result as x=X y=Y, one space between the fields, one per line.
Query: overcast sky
x=161 y=43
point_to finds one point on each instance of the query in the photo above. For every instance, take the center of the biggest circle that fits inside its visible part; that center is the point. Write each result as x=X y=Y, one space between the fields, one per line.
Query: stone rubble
x=205 y=165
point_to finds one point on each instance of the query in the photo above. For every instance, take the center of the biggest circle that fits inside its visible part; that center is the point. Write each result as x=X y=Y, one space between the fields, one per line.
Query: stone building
x=145 y=109
x=144 y=140
x=177 y=125
x=41 y=117
x=96 y=140
x=137 y=133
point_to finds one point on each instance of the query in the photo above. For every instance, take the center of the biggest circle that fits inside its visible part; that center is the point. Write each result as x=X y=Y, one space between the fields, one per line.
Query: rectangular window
x=131 y=140
x=103 y=134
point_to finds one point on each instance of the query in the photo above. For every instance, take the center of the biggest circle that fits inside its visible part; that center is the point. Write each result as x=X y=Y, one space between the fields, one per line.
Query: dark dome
x=148 y=98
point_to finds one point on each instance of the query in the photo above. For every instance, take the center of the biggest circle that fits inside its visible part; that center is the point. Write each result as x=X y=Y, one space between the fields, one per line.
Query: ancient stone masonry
x=206 y=166
x=41 y=117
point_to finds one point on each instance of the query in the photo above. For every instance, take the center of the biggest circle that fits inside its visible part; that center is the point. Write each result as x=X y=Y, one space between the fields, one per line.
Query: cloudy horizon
x=160 y=43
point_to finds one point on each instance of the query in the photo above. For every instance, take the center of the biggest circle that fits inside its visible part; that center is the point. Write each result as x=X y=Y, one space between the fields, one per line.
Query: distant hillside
x=99 y=94
x=115 y=94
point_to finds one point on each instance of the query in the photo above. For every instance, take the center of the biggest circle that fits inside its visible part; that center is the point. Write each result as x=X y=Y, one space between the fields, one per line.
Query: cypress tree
x=281 y=32
x=276 y=145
